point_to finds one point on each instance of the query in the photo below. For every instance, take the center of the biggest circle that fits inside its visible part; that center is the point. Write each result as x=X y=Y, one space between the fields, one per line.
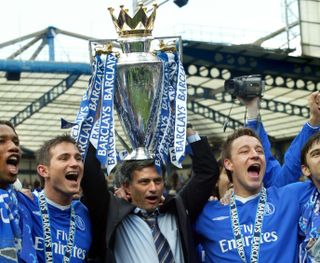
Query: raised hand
x=314 y=106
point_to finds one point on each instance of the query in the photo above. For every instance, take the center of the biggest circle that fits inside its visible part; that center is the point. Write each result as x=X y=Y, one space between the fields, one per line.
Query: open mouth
x=13 y=164
x=254 y=170
x=152 y=199
x=72 y=176
x=13 y=160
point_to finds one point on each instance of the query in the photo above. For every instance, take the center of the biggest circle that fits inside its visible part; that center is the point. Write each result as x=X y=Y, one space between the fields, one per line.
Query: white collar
x=246 y=199
x=61 y=207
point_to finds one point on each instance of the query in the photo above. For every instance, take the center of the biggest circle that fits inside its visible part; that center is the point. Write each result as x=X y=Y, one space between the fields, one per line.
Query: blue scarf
x=10 y=246
x=309 y=223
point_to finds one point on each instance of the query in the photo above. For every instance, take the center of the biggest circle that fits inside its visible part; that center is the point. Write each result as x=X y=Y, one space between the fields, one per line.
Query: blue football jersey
x=60 y=224
x=279 y=237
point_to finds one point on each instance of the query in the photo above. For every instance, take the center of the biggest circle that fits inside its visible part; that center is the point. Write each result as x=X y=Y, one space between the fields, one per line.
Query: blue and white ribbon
x=180 y=117
x=84 y=122
x=46 y=227
x=256 y=236
x=161 y=153
x=171 y=130
x=98 y=128
x=94 y=141
x=106 y=148
x=94 y=136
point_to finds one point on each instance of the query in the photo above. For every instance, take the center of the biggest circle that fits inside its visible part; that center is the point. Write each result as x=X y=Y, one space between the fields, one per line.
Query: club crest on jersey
x=80 y=223
x=269 y=209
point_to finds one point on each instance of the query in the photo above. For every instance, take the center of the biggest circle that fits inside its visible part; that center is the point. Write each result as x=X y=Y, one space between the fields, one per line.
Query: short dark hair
x=124 y=171
x=8 y=123
x=44 y=155
x=315 y=138
x=226 y=146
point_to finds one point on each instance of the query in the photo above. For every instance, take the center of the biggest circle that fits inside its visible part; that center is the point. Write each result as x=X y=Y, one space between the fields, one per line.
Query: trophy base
x=139 y=154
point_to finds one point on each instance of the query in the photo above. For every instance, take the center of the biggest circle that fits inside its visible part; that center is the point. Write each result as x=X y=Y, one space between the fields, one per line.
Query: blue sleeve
x=273 y=166
x=290 y=171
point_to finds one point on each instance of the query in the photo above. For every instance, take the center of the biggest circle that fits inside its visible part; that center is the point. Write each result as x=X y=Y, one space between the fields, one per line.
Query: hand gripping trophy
x=143 y=79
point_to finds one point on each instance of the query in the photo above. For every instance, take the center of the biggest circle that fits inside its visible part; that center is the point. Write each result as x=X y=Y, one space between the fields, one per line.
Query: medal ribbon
x=47 y=231
x=255 y=244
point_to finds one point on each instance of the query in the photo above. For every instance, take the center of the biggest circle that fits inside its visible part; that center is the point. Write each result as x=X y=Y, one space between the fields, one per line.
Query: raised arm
x=96 y=198
x=205 y=171
x=290 y=171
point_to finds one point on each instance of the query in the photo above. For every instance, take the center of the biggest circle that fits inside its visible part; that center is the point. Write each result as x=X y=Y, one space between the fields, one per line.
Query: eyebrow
x=13 y=137
x=150 y=179
x=247 y=146
x=243 y=147
x=314 y=151
x=144 y=180
x=63 y=154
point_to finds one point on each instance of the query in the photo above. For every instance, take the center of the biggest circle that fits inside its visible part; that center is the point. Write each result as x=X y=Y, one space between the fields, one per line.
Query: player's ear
x=42 y=170
x=228 y=165
x=305 y=170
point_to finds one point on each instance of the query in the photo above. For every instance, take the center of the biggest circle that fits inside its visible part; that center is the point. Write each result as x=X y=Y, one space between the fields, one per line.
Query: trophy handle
x=116 y=45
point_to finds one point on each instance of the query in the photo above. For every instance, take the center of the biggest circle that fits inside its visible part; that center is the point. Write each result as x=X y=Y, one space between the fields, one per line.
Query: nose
x=254 y=154
x=74 y=162
x=152 y=187
x=13 y=147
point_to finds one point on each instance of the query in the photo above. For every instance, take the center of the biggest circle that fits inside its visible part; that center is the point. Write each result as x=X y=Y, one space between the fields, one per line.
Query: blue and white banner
x=161 y=151
x=171 y=130
x=89 y=105
x=106 y=148
x=177 y=155
x=95 y=133
x=95 y=119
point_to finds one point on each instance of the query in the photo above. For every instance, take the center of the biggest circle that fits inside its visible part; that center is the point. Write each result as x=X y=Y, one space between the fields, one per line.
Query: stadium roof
x=37 y=88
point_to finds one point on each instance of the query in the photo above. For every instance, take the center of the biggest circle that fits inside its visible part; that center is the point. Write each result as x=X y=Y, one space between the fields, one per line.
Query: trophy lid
x=141 y=25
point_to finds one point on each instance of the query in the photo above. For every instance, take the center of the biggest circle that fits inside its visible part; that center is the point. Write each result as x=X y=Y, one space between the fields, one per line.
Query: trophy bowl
x=139 y=89
x=143 y=79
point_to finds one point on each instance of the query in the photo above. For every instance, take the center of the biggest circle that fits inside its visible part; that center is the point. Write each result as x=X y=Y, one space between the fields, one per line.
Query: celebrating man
x=259 y=224
x=10 y=234
x=132 y=231
x=310 y=219
x=61 y=229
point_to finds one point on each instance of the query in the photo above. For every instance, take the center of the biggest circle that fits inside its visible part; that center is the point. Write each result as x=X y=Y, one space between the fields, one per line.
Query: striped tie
x=161 y=243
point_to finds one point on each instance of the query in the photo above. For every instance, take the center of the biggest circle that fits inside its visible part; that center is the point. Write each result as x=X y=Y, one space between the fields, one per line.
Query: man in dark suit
x=121 y=232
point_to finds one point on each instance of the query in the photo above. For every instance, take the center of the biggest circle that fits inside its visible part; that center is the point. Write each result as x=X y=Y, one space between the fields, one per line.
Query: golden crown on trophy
x=140 y=25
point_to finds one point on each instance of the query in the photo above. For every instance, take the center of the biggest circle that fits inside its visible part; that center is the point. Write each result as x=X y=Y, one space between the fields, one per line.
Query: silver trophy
x=138 y=93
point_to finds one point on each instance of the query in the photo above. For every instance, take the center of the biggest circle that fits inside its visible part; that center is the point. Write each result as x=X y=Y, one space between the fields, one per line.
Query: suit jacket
x=107 y=211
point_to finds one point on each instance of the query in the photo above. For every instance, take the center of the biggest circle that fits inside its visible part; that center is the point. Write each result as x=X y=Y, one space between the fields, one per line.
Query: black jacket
x=107 y=211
